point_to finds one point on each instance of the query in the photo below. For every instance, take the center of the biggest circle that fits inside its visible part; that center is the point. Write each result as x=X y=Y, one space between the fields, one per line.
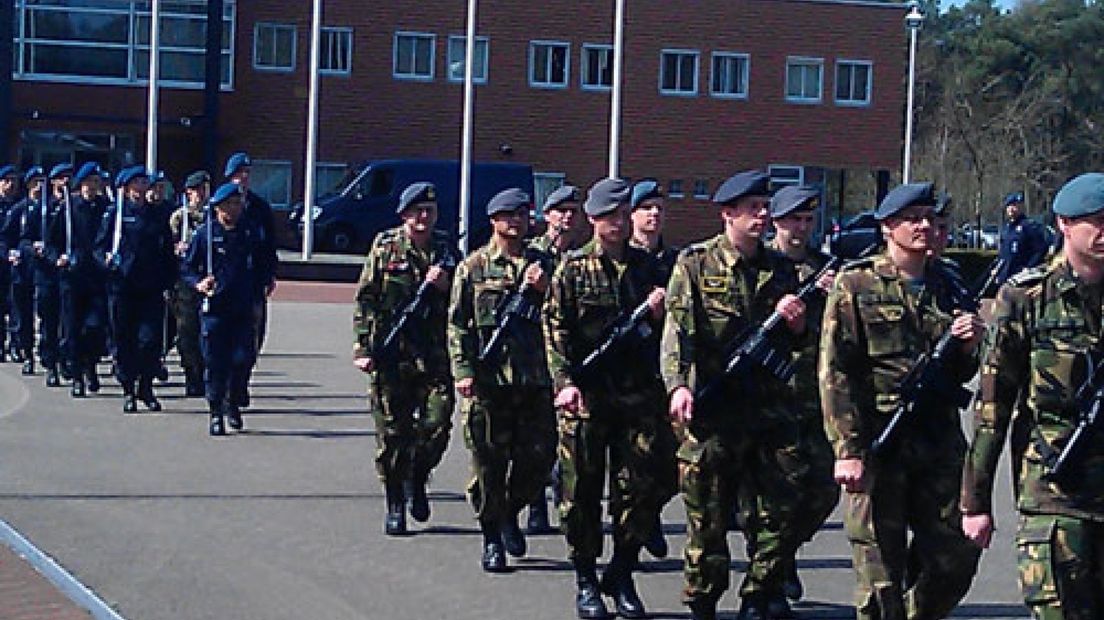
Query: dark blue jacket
x=1023 y=244
x=35 y=229
x=83 y=270
x=146 y=261
x=7 y=205
x=237 y=257
x=258 y=215
x=12 y=232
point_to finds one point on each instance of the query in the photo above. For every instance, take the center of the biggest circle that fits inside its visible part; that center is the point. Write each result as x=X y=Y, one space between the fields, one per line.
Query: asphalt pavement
x=284 y=520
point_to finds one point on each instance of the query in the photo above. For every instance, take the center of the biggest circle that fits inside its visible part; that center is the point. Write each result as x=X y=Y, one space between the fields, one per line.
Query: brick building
x=810 y=89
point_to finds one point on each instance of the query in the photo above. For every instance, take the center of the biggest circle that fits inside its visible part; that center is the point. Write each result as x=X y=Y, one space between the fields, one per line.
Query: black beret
x=422 y=191
x=793 y=198
x=606 y=195
x=508 y=201
x=905 y=196
x=746 y=183
x=197 y=178
x=567 y=193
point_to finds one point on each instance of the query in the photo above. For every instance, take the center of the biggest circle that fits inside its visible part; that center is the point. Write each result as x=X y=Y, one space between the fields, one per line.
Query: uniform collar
x=731 y=257
x=496 y=254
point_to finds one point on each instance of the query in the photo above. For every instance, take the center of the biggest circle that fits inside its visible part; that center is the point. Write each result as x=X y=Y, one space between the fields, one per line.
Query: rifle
x=927 y=379
x=1057 y=466
x=210 y=251
x=755 y=346
x=68 y=226
x=412 y=314
x=620 y=333
x=117 y=234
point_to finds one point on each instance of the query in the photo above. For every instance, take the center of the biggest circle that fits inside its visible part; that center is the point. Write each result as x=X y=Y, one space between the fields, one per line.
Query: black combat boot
x=494 y=556
x=791 y=586
x=77 y=389
x=703 y=610
x=753 y=607
x=778 y=608
x=588 y=600
x=145 y=394
x=28 y=367
x=234 y=417
x=193 y=382
x=419 y=501
x=217 y=428
x=617 y=582
x=53 y=379
x=130 y=404
x=93 y=378
x=657 y=542
x=538 y=517
x=394 y=523
x=65 y=371
x=15 y=354
x=512 y=536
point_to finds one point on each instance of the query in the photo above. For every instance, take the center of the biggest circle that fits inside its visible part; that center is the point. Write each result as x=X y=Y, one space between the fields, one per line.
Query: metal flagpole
x=615 y=91
x=312 y=133
x=154 y=74
x=466 y=140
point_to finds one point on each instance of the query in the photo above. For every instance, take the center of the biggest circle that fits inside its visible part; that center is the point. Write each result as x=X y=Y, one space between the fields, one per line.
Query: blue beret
x=8 y=170
x=422 y=191
x=606 y=195
x=197 y=178
x=236 y=162
x=508 y=201
x=61 y=170
x=905 y=196
x=567 y=193
x=746 y=183
x=225 y=191
x=33 y=173
x=1084 y=195
x=793 y=198
x=645 y=189
x=1013 y=198
x=86 y=170
x=126 y=175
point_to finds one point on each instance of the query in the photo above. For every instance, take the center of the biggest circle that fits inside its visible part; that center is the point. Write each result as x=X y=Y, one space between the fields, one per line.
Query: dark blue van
x=348 y=219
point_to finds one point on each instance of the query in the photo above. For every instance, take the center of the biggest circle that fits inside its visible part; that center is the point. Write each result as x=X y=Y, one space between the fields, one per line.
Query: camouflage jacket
x=1045 y=322
x=713 y=297
x=393 y=270
x=196 y=217
x=482 y=282
x=665 y=255
x=589 y=292
x=805 y=384
x=875 y=325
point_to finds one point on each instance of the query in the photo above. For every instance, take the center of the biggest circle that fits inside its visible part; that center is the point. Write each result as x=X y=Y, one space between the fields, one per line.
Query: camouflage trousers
x=1061 y=562
x=639 y=444
x=511 y=433
x=185 y=305
x=413 y=415
x=924 y=578
x=714 y=467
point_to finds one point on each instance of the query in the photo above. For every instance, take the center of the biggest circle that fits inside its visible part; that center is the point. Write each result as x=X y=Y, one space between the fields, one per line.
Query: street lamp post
x=913 y=21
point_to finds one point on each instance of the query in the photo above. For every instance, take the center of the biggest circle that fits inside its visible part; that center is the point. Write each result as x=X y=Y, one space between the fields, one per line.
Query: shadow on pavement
x=311 y=434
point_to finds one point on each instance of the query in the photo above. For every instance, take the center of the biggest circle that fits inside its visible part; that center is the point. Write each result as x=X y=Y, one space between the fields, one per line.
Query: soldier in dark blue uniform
x=1023 y=243
x=224 y=264
x=9 y=195
x=47 y=296
x=135 y=245
x=21 y=323
x=70 y=245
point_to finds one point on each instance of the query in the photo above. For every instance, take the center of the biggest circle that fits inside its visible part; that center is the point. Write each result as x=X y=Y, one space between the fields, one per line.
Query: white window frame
x=745 y=86
x=851 y=64
x=697 y=185
x=277 y=26
x=532 y=64
x=486 y=41
x=557 y=178
x=283 y=163
x=336 y=31
x=414 y=77
x=777 y=180
x=594 y=47
x=671 y=193
x=697 y=72
x=803 y=61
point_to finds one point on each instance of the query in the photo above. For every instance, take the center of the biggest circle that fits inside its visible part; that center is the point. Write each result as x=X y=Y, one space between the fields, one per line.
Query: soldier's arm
x=559 y=320
x=461 y=329
x=839 y=348
x=194 y=266
x=677 y=343
x=1004 y=371
x=102 y=244
x=365 y=316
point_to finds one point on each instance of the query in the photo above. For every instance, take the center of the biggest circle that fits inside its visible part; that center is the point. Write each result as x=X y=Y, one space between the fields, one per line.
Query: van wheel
x=342 y=239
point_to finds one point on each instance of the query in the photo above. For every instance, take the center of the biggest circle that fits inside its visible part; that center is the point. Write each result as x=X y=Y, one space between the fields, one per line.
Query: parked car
x=347 y=220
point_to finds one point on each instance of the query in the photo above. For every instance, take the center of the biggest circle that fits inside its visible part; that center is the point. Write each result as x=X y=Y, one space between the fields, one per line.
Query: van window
x=377 y=184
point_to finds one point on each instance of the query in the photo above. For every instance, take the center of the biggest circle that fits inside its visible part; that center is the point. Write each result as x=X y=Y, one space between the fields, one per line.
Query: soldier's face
x=197 y=195
x=1083 y=236
x=229 y=211
x=565 y=217
x=7 y=186
x=136 y=189
x=1012 y=211
x=748 y=217
x=511 y=224
x=58 y=185
x=35 y=189
x=912 y=229
x=612 y=227
x=241 y=177
x=420 y=217
x=647 y=218
x=794 y=229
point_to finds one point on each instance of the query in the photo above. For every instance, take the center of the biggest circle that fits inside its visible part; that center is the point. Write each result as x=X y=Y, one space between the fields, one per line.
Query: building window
x=271 y=180
x=853 y=82
x=701 y=189
x=544 y=183
x=804 y=77
x=336 y=51
x=328 y=178
x=783 y=175
x=274 y=47
x=413 y=56
x=457 y=48
x=674 y=188
x=597 y=67
x=678 y=72
x=548 y=63
x=730 y=75
x=107 y=42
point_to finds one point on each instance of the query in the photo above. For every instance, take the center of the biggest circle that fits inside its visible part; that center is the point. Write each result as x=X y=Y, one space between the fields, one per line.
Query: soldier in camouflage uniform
x=613 y=417
x=882 y=314
x=411 y=395
x=509 y=424
x=719 y=287
x=1046 y=334
x=186 y=301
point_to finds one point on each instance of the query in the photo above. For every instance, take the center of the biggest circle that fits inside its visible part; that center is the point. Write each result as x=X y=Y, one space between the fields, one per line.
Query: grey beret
x=606 y=195
x=905 y=196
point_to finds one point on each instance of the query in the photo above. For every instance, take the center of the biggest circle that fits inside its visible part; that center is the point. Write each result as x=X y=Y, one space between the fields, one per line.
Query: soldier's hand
x=850 y=474
x=681 y=408
x=39 y=248
x=365 y=364
x=63 y=260
x=109 y=257
x=270 y=289
x=978 y=528
x=827 y=281
x=655 y=302
x=535 y=278
x=570 y=399
x=792 y=310
x=206 y=285
x=438 y=277
x=969 y=328
x=181 y=248
x=466 y=387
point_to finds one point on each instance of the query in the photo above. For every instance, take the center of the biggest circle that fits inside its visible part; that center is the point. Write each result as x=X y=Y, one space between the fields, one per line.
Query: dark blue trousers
x=136 y=324
x=84 y=325
x=21 y=319
x=48 y=308
x=229 y=346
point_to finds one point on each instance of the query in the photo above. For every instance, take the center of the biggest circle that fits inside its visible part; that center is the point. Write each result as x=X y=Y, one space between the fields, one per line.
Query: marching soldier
x=882 y=314
x=47 y=297
x=71 y=246
x=224 y=264
x=1044 y=345
x=616 y=417
x=20 y=258
x=410 y=391
x=134 y=244
x=509 y=423
x=9 y=196
x=718 y=288
x=186 y=300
